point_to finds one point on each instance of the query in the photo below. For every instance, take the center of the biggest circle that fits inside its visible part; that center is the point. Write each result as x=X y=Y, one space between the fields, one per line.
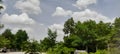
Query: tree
x=20 y=37
x=48 y=42
x=69 y=26
x=4 y=42
x=59 y=48
x=87 y=35
x=33 y=47
x=7 y=34
x=52 y=37
x=115 y=39
x=44 y=44
x=117 y=23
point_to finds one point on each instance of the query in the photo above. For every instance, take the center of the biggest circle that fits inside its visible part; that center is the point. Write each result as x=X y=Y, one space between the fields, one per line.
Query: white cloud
x=88 y=14
x=59 y=29
x=81 y=4
x=61 y=12
x=36 y=31
x=27 y=29
x=29 y=6
x=17 y=19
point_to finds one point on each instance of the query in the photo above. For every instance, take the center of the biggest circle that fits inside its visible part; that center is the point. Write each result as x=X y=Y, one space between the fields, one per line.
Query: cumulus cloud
x=17 y=19
x=28 y=29
x=59 y=29
x=29 y=6
x=84 y=15
x=81 y=4
x=88 y=14
x=36 y=31
x=61 y=12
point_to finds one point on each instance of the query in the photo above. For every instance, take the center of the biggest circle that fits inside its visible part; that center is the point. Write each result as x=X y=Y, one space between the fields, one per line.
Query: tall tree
x=87 y=35
x=21 y=37
x=9 y=36
x=117 y=23
x=48 y=42
x=52 y=37
x=69 y=26
x=4 y=42
x=32 y=47
x=116 y=37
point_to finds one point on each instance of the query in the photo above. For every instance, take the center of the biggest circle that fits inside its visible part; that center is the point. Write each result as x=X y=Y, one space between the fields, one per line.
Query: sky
x=36 y=16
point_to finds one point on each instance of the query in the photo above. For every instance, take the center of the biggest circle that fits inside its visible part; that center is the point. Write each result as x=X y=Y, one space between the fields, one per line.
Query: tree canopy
x=89 y=35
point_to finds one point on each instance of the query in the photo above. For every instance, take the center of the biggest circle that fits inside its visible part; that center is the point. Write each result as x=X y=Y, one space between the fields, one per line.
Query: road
x=13 y=53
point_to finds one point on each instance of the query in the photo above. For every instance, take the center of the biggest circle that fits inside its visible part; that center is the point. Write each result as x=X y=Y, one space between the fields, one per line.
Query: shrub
x=101 y=52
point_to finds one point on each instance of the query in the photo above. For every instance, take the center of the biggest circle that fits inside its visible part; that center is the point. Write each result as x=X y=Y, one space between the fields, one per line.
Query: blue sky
x=36 y=16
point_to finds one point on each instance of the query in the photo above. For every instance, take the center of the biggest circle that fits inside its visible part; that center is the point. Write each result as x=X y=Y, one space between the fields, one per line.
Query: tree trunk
x=96 y=47
x=87 y=48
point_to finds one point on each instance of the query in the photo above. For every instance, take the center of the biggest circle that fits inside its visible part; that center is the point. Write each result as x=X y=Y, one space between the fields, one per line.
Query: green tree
x=60 y=48
x=7 y=34
x=48 y=42
x=115 y=40
x=20 y=37
x=117 y=23
x=69 y=26
x=4 y=42
x=87 y=35
x=33 y=47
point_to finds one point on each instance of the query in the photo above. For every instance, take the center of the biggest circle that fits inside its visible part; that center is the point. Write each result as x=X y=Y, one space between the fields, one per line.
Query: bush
x=83 y=53
x=114 y=51
x=60 y=49
x=101 y=52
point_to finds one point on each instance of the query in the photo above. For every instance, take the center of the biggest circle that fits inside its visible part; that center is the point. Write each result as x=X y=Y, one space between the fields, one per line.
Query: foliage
x=13 y=41
x=87 y=35
x=7 y=34
x=96 y=37
x=116 y=23
x=48 y=42
x=69 y=26
x=83 y=53
x=4 y=42
x=115 y=40
x=32 y=47
x=101 y=52
x=20 y=37
x=60 y=49
x=114 y=50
